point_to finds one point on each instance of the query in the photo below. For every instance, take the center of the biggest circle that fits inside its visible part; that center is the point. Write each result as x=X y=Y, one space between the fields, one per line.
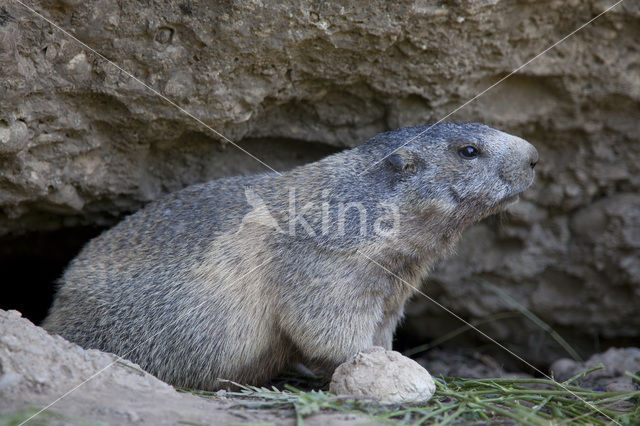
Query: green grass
x=457 y=400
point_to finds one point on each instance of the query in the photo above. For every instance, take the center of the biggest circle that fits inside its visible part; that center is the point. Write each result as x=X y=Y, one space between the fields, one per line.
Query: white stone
x=386 y=376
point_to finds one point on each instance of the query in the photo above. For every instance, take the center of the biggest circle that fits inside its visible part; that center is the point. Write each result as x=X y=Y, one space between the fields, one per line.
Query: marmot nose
x=533 y=157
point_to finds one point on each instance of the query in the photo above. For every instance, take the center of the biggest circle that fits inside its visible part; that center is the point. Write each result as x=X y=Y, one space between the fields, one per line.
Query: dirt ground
x=80 y=386
x=86 y=387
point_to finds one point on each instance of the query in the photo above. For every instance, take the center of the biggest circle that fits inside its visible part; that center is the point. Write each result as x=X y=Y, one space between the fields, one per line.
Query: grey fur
x=193 y=291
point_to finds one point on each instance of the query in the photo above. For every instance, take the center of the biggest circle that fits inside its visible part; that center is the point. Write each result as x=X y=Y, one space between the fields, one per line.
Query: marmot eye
x=468 y=152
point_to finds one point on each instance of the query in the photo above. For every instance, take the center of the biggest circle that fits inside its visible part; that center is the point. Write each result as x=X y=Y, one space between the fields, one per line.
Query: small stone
x=563 y=369
x=13 y=136
x=164 y=35
x=615 y=362
x=79 y=66
x=14 y=313
x=620 y=385
x=386 y=376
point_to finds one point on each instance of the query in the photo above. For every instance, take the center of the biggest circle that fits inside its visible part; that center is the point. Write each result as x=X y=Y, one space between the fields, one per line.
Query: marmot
x=240 y=277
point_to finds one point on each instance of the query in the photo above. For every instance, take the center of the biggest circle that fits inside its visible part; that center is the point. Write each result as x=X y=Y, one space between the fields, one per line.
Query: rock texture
x=36 y=369
x=91 y=387
x=386 y=376
x=82 y=143
x=615 y=362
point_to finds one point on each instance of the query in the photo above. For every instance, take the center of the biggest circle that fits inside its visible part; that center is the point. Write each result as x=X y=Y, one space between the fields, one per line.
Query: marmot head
x=468 y=170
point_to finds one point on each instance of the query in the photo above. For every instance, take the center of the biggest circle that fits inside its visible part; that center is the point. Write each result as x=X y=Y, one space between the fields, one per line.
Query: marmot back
x=239 y=277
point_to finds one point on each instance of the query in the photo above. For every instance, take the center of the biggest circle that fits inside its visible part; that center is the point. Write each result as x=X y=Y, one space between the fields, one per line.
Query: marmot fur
x=240 y=277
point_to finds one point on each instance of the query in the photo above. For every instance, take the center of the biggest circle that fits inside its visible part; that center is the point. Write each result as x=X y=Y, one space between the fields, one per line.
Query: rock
x=81 y=386
x=621 y=386
x=387 y=376
x=616 y=362
x=31 y=360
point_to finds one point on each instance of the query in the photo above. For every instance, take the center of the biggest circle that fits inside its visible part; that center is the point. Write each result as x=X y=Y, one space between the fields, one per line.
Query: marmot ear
x=403 y=160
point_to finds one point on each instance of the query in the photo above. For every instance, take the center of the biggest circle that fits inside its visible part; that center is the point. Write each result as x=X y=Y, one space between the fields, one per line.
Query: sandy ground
x=91 y=387
x=87 y=387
